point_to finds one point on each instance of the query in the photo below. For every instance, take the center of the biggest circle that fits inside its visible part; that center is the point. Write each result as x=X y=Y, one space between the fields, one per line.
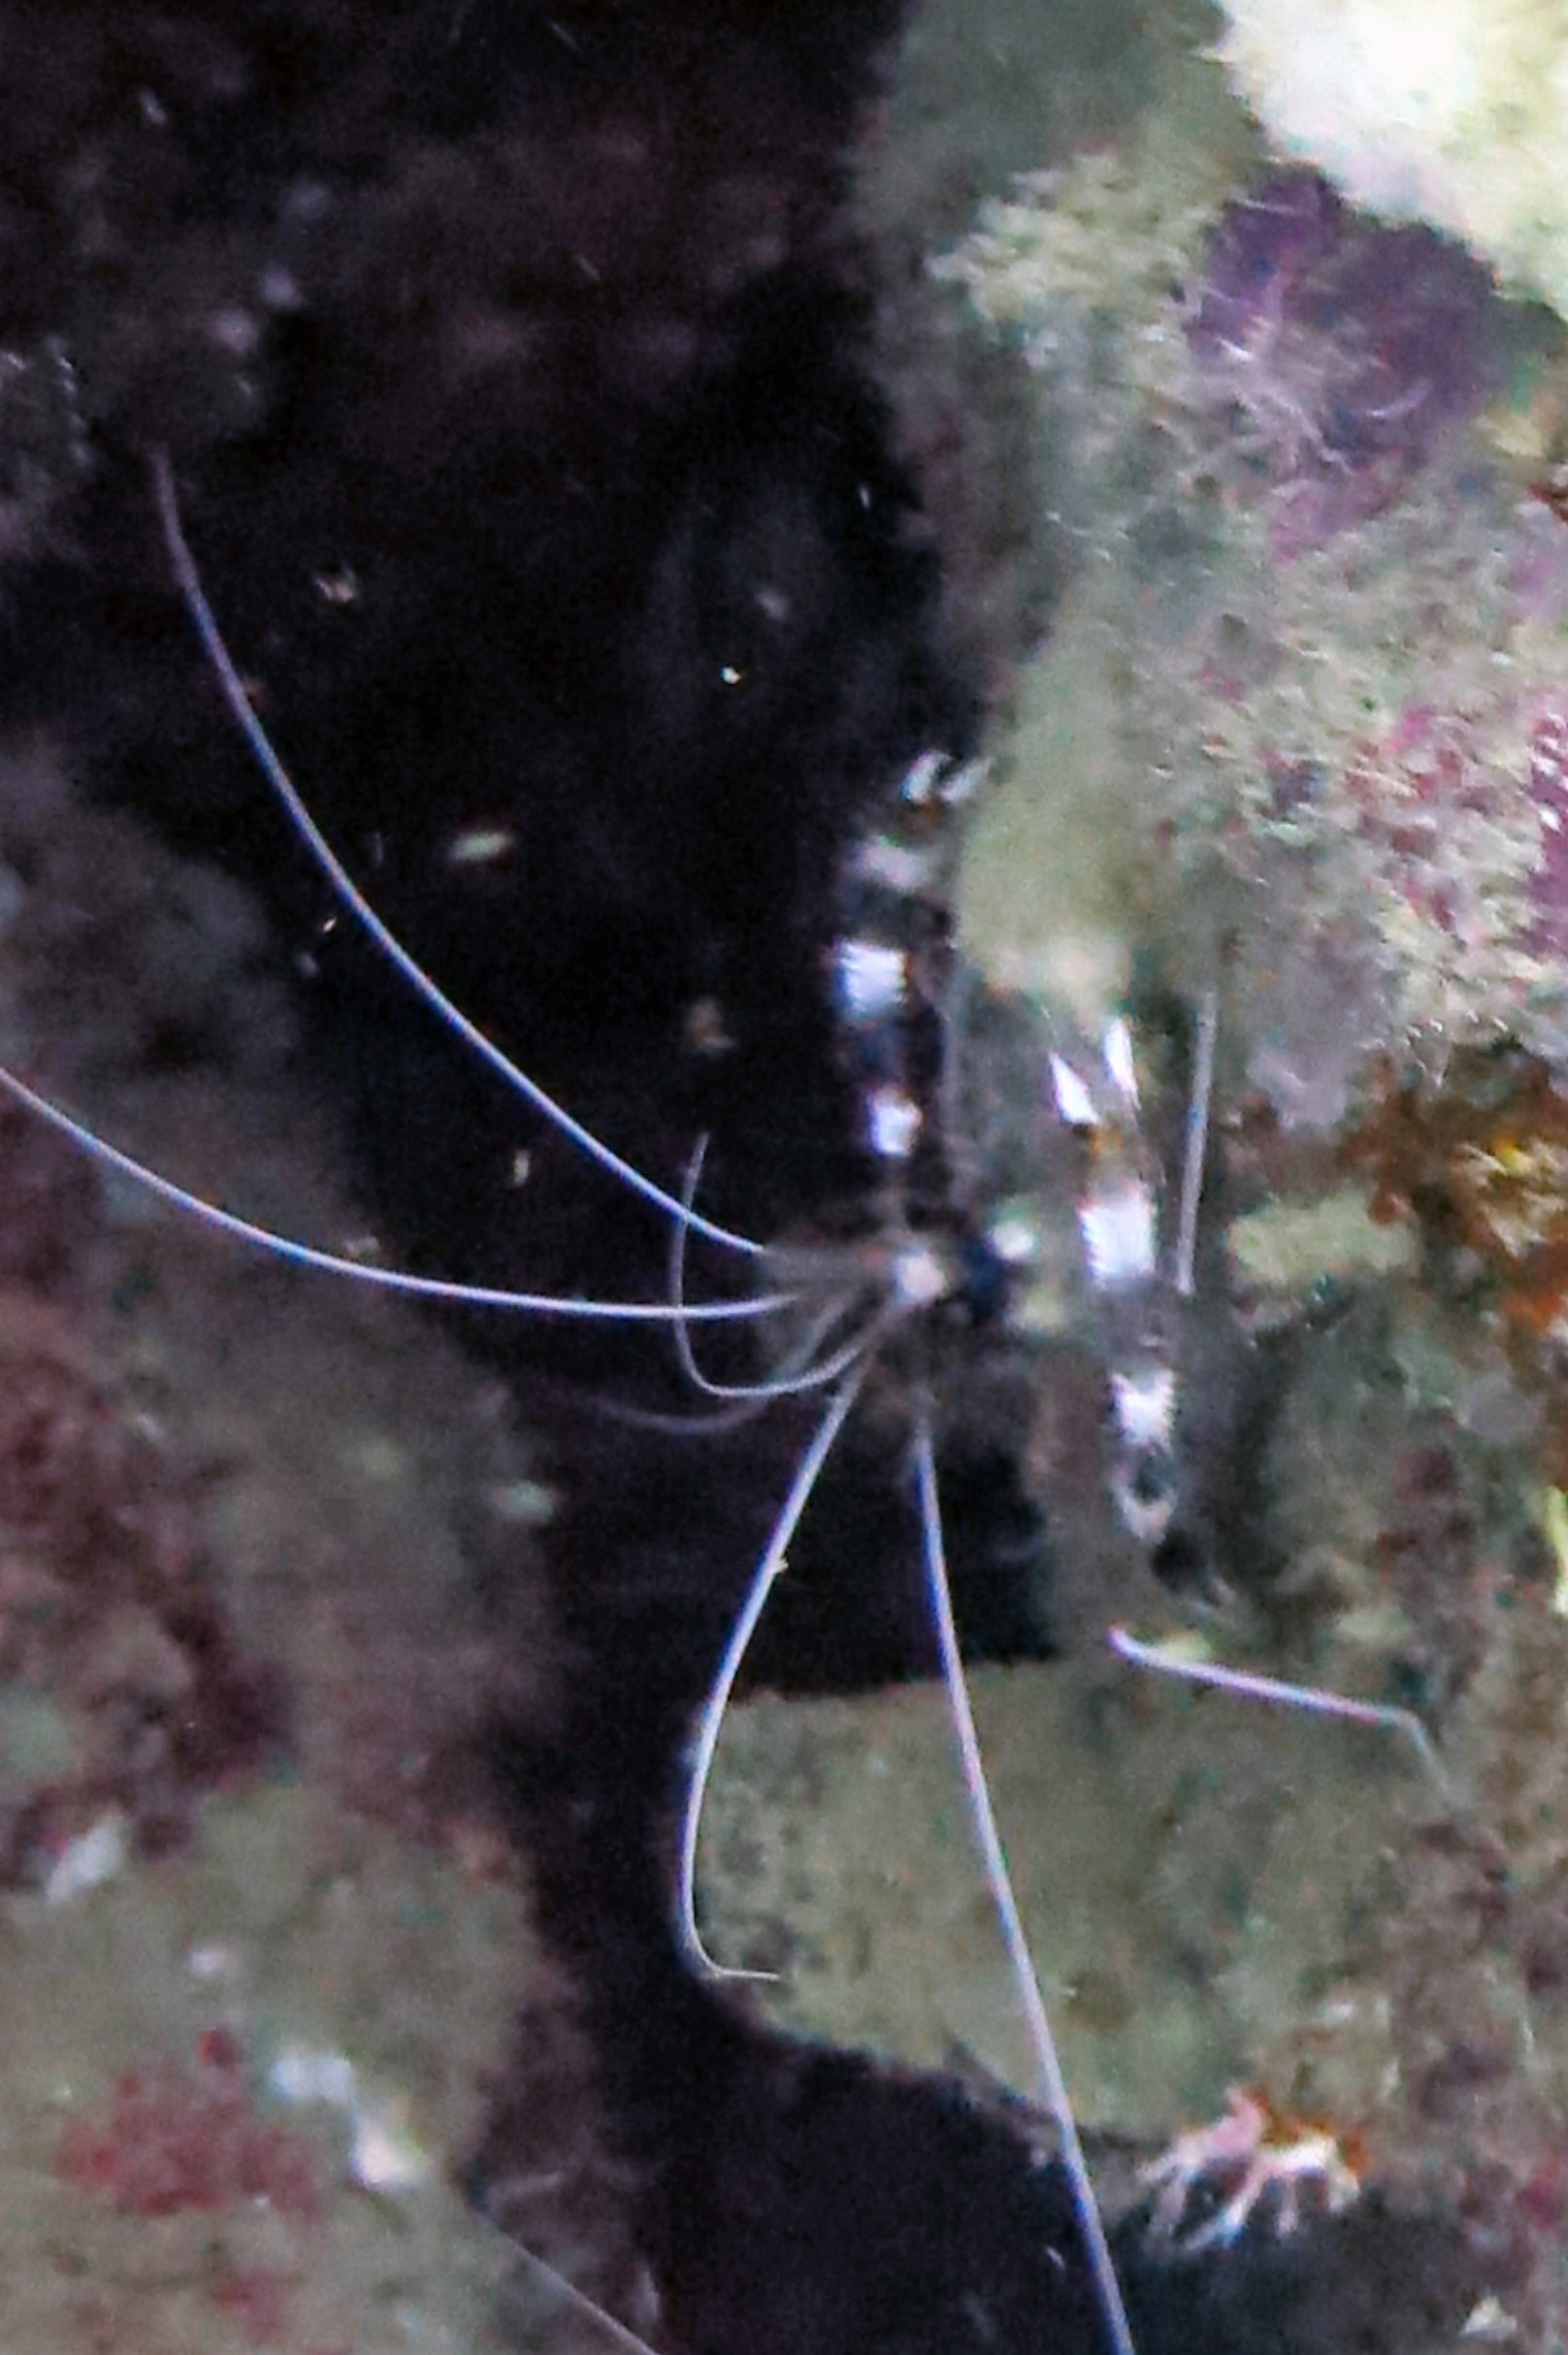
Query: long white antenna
x=1316 y=1700
x=365 y=1271
x=1196 y=1140
x=568 y=2291
x=216 y=646
x=707 y=1742
x=988 y=1836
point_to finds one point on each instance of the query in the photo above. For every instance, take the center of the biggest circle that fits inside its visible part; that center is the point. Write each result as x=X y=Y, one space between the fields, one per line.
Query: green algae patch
x=1286 y=1247
x=1186 y=1866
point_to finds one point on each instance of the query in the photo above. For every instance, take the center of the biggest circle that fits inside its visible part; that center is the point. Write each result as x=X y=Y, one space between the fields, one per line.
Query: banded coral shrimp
x=917 y=1281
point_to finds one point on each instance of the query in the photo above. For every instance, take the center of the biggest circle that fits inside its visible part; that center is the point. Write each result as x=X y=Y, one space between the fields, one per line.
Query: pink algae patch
x=176 y=2139
x=256 y=2300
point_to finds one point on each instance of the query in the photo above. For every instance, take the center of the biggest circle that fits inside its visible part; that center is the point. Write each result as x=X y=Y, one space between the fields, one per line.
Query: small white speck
x=1074 y=1102
x=387 y=2155
x=921 y=779
x=1145 y=1405
x=1489 y=2319
x=894 y=1121
x=919 y=1278
x=525 y=1504
x=96 y=1856
x=1118 y=1230
x=279 y=289
x=212 y=1962
x=873 y=979
x=481 y=846
x=1015 y=1238
x=305 y=2072
x=1119 y=1060
x=898 y=864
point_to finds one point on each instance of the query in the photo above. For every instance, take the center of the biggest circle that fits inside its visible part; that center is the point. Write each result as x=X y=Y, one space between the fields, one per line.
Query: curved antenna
x=808 y=1377
x=361 y=1271
x=763 y=1581
x=983 y=1818
x=799 y=1376
x=695 y=1423
x=428 y=991
x=714 y=1424
x=1316 y=1700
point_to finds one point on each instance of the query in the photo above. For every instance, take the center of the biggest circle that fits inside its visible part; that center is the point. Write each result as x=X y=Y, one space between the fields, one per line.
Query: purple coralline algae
x=1345 y=352
x=1312 y=637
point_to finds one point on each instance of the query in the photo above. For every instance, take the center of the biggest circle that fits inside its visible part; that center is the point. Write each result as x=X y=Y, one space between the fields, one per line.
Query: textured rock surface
x=1192 y=1877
